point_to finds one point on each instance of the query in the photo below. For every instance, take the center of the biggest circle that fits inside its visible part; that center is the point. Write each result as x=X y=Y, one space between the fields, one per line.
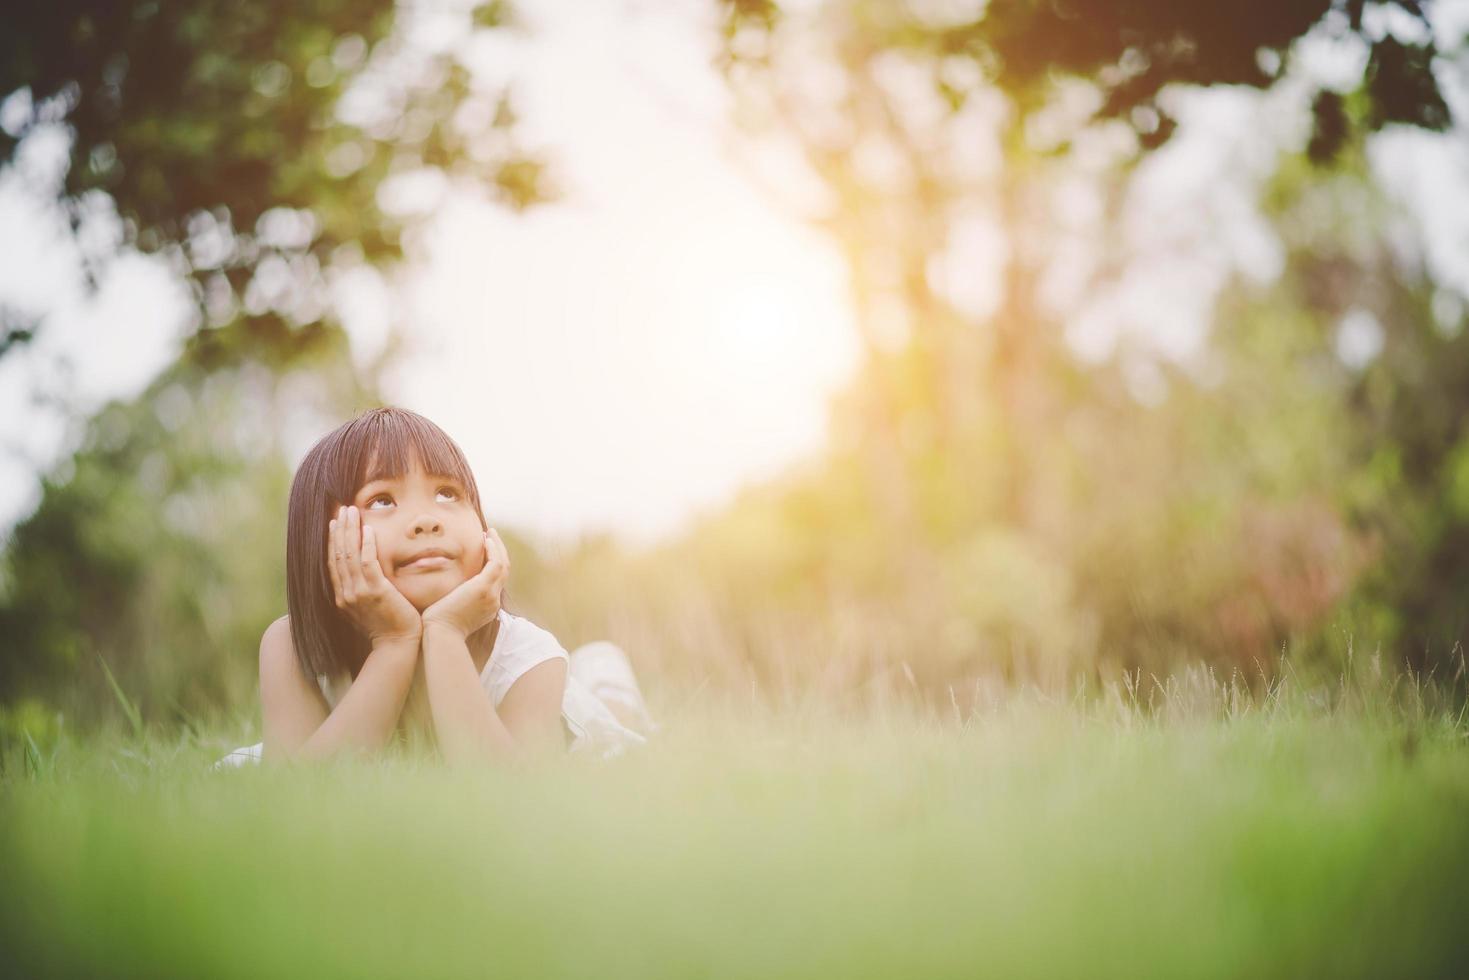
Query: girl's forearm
x=467 y=726
x=368 y=713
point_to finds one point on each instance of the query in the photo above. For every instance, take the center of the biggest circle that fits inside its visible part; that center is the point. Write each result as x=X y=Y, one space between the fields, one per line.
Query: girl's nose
x=426 y=525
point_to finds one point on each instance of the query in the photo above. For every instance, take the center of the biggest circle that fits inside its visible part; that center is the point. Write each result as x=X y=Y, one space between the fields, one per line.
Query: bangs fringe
x=386 y=443
x=394 y=441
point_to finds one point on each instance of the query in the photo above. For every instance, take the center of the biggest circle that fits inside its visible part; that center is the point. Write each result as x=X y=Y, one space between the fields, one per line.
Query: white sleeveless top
x=519 y=646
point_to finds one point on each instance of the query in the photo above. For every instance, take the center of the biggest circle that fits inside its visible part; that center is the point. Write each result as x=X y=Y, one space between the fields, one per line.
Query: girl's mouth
x=426 y=563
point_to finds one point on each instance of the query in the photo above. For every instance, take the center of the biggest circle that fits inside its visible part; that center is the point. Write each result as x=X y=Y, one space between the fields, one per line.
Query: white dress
x=598 y=674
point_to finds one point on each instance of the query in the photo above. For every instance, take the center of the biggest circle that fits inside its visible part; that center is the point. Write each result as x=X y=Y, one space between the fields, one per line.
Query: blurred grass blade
x=135 y=718
x=35 y=766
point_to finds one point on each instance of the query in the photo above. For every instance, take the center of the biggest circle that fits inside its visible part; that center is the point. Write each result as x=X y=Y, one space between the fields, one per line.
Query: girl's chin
x=425 y=594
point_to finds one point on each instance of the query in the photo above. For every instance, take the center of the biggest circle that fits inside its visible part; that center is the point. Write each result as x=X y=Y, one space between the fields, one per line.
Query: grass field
x=1287 y=837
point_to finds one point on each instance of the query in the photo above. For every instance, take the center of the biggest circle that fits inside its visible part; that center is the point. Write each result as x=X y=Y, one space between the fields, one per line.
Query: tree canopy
x=1132 y=49
x=248 y=142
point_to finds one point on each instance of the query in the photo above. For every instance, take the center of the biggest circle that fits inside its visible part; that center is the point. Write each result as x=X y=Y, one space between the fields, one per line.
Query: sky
x=662 y=334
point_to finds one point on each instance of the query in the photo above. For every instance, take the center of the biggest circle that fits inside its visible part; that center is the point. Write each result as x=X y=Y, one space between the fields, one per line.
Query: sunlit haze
x=614 y=360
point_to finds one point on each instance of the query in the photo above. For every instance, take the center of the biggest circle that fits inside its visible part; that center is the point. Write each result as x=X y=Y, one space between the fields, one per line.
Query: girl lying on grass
x=394 y=584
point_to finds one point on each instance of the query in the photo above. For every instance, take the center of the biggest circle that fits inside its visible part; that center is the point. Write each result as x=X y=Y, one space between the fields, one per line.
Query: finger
x=351 y=587
x=339 y=545
x=494 y=576
x=500 y=548
x=504 y=555
x=331 y=559
x=352 y=552
x=372 y=572
x=501 y=566
x=492 y=560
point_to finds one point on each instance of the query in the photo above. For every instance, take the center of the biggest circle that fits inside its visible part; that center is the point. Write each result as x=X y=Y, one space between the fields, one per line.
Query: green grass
x=1034 y=840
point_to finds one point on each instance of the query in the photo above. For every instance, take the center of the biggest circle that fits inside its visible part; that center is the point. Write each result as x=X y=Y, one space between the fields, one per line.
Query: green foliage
x=158 y=545
x=249 y=141
x=1129 y=50
x=1400 y=419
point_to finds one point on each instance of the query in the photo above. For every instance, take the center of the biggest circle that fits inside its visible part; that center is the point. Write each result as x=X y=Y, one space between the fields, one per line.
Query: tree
x=983 y=447
x=248 y=142
x=1130 y=50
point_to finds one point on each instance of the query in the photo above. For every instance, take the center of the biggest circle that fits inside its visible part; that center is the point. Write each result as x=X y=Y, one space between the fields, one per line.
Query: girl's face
x=429 y=537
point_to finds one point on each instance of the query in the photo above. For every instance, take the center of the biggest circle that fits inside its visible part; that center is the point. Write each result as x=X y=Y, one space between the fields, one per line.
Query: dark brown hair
x=383 y=443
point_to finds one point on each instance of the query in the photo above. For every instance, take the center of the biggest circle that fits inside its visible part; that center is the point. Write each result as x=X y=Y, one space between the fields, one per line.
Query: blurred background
x=831 y=350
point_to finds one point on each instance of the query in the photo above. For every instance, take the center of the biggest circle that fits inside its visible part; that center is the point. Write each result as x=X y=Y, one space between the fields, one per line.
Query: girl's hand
x=363 y=593
x=475 y=601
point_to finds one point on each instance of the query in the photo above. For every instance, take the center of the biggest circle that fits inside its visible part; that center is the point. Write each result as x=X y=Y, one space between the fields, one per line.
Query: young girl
x=395 y=584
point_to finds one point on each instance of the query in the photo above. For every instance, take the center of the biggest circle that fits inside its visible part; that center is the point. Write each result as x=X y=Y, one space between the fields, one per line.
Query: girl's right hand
x=363 y=594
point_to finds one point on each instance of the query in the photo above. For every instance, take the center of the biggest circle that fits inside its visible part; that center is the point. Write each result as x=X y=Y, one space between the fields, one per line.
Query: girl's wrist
x=442 y=627
x=410 y=639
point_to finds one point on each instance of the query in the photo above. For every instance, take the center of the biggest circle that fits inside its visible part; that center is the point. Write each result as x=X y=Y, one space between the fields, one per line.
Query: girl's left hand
x=476 y=601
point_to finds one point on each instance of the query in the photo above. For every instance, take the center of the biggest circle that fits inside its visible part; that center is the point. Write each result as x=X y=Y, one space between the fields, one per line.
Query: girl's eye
x=386 y=499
